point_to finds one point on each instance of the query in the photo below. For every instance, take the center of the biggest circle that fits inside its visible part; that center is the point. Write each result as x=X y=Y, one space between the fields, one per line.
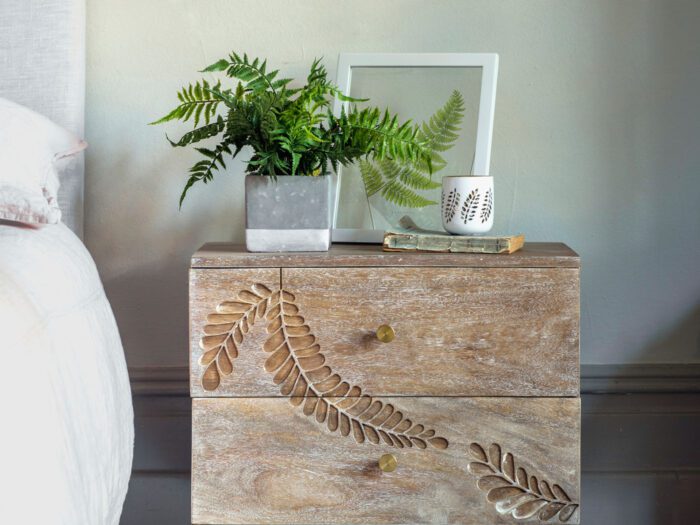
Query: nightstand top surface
x=532 y=255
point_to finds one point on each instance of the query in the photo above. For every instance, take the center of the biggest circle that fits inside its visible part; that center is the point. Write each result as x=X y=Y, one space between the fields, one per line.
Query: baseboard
x=652 y=378
x=160 y=380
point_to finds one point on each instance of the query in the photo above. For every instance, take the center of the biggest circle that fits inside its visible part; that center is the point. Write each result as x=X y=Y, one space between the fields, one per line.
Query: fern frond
x=390 y=169
x=202 y=133
x=195 y=100
x=371 y=177
x=407 y=174
x=513 y=491
x=317 y=73
x=412 y=178
x=253 y=72
x=398 y=194
x=382 y=136
x=399 y=179
x=302 y=373
x=204 y=169
x=225 y=96
x=292 y=131
x=442 y=130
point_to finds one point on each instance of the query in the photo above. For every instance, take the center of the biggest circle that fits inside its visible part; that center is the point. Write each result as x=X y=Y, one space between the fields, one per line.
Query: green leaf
x=400 y=195
x=295 y=162
x=371 y=177
x=254 y=72
x=293 y=130
x=194 y=99
x=223 y=96
x=412 y=178
x=190 y=182
x=219 y=65
x=346 y=98
x=204 y=169
x=201 y=133
x=400 y=181
x=173 y=115
x=442 y=130
x=380 y=136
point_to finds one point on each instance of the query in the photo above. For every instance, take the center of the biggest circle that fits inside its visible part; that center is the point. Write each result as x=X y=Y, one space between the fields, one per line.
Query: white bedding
x=66 y=419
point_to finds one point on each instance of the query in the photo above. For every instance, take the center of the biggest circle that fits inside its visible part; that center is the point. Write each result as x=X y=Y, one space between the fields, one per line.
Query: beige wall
x=595 y=144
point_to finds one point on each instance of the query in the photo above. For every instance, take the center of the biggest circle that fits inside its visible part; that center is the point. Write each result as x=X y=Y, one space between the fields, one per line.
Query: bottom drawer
x=458 y=460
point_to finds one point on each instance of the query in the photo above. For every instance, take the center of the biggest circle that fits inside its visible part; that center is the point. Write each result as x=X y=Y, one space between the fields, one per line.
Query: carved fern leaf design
x=487 y=206
x=225 y=329
x=299 y=367
x=450 y=205
x=470 y=206
x=513 y=492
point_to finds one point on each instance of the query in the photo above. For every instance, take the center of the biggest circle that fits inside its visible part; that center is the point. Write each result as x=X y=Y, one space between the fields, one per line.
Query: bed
x=66 y=442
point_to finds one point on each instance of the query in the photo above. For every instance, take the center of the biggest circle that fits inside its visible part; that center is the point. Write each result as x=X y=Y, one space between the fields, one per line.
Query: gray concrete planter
x=290 y=214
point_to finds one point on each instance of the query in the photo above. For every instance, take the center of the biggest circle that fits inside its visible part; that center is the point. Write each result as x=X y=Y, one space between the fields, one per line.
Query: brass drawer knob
x=388 y=463
x=385 y=333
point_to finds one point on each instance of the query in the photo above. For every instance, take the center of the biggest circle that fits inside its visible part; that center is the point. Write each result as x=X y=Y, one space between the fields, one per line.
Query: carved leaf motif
x=508 y=487
x=567 y=512
x=224 y=332
x=295 y=359
x=298 y=363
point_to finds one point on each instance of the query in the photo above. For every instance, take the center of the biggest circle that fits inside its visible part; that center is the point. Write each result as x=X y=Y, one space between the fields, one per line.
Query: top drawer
x=457 y=331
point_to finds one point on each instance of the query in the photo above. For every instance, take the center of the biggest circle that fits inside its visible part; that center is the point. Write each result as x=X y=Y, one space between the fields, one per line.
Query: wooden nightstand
x=360 y=386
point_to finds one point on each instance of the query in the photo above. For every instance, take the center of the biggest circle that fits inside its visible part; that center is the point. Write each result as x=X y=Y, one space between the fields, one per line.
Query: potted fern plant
x=295 y=140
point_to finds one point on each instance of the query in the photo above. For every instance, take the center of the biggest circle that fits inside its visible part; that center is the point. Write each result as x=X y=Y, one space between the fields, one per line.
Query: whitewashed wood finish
x=640 y=463
x=208 y=289
x=304 y=325
x=469 y=332
x=532 y=255
x=263 y=461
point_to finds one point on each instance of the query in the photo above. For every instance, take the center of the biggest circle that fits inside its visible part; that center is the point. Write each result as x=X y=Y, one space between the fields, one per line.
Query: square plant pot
x=287 y=214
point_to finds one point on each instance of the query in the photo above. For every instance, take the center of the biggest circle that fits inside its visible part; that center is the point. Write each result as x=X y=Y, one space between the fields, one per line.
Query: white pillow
x=32 y=152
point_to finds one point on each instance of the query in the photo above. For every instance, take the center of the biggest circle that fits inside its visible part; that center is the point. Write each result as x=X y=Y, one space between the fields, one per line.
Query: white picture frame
x=487 y=105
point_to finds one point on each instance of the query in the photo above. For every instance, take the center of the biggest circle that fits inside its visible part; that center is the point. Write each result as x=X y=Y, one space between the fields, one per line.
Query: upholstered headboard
x=42 y=66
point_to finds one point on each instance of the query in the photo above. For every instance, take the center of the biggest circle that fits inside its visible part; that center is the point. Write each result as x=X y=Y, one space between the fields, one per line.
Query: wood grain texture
x=640 y=459
x=459 y=332
x=263 y=461
x=532 y=255
x=309 y=390
x=208 y=291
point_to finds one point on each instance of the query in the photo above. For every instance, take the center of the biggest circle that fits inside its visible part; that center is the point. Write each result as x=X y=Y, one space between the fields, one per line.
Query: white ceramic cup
x=467 y=204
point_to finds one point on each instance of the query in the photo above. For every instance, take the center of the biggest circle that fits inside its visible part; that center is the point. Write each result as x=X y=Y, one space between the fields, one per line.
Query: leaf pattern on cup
x=470 y=206
x=487 y=206
x=450 y=204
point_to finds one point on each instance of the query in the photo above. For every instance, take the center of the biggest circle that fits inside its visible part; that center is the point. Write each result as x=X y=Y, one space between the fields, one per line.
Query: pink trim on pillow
x=77 y=149
x=23 y=206
x=32 y=149
x=18 y=224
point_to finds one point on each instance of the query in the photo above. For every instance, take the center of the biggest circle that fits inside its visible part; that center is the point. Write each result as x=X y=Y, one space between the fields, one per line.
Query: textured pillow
x=33 y=150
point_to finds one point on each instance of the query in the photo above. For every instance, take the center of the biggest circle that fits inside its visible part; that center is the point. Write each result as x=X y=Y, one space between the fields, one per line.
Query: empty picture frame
x=414 y=85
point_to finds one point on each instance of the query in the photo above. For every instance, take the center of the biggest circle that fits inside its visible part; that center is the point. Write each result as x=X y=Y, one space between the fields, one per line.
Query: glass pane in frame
x=414 y=93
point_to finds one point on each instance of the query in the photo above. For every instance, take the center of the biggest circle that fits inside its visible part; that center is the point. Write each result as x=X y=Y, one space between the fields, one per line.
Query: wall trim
x=159 y=380
x=651 y=378
x=648 y=378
